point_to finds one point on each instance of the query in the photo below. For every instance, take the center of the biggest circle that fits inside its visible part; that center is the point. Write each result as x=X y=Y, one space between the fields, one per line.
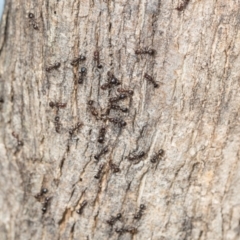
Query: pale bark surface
x=193 y=192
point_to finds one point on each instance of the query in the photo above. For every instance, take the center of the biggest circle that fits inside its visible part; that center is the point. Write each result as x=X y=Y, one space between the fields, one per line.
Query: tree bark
x=190 y=191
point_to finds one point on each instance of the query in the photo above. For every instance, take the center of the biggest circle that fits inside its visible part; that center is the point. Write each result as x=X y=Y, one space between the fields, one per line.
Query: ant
x=98 y=175
x=122 y=90
x=117 y=98
x=57 y=105
x=31 y=15
x=136 y=156
x=120 y=122
x=102 y=152
x=82 y=205
x=82 y=73
x=105 y=86
x=45 y=204
x=83 y=70
x=112 y=80
x=93 y=109
x=145 y=50
x=57 y=118
x=138 y=215
x=90 y=102
x=122 y=230
x=112 y=220
x=19 y=142
x=57 y=124
x=97 y=59
x=101 y=136
x=35 y=26
x=72 y=130
x=117 y=107
x=150 y=79
x=76 y=60
x=183 y=5
x=110 y=84
x=1 y=102
x=42 y=192
x=32 y=21
x=156 y=156
x=56 y=65
x=114 y=168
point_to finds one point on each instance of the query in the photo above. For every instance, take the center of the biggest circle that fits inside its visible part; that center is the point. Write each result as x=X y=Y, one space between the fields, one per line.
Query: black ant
x=83 y=70
x=138 y=215
x=57 y=105
x=82 y=205
x=145 y=50
x=121 y=123
x=35 y=26
x=150 y=79
x=45 y=204
x=1 y=102
x=32 y=21
x=112 y=220
x=56 y=65
x=117 y=107
x=19 y=142
x=42 y=192
x=90 y=102
x=157 y=156
x=112 y=79
x=128 y=91
x=93 y=109
x=114 y=168
x=136 y=156
x=119 y=97
x=101 y=136
x=82 y=73
x=100 y=169
x=102 y=152
x=57 y=124
x=97 y=59
x=122 y=230
x=31 y=15
x=105 y=86
x=72 y=130
x=76 y=60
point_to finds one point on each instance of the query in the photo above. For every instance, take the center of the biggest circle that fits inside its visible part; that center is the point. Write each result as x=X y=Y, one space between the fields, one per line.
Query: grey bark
x=192 y=192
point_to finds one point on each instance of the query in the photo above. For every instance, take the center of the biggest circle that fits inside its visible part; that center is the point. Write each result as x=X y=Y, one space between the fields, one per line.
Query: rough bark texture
x=192 y=192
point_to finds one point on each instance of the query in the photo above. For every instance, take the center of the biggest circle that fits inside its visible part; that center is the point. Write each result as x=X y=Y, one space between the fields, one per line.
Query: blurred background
x=1 y=7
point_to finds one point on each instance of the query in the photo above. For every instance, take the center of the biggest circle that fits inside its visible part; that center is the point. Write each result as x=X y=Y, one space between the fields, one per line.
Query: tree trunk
x=55 y=184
